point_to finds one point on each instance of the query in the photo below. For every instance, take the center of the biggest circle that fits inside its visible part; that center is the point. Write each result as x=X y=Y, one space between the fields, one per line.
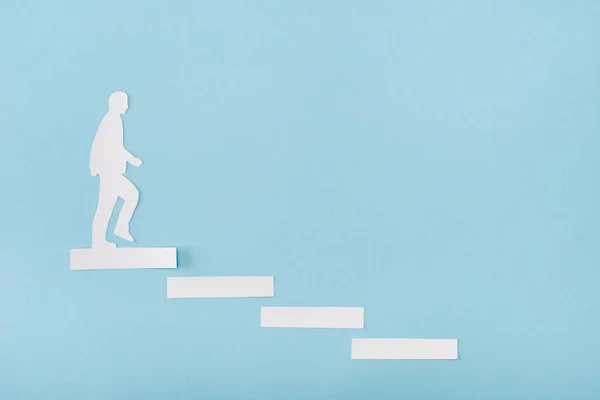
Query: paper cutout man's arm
x=127 y=156
x=131 y=159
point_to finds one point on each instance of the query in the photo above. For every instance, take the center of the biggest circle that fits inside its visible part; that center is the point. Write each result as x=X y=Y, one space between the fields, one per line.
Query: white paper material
x=220 y=287
x=108 y=161
x=404 y=349
x=124 y=258
x=312 y=317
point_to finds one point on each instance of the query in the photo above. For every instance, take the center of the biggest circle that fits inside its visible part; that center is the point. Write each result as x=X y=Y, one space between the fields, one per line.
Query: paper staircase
x=270 y=317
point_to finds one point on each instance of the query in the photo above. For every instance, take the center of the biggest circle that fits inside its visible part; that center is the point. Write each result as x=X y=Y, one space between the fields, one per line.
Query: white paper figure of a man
x=109 y=159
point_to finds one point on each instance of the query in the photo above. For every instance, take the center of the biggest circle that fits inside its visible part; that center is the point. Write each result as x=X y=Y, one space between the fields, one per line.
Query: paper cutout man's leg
x=129 y=193
x=107 y=198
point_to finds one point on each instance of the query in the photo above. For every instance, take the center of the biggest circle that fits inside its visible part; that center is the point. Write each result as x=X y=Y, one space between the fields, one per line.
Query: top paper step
x=124 y=258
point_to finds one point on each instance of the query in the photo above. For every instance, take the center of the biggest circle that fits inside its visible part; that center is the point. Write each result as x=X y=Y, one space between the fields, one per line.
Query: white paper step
x=220 y=287
x=312 y=317
x=124 y=258
x=404 y=349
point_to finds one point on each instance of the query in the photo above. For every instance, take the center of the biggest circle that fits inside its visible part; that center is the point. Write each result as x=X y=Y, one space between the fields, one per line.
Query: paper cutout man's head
x=118 y=102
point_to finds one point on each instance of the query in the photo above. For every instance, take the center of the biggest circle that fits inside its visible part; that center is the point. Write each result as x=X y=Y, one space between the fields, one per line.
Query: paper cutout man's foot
x=123 y=233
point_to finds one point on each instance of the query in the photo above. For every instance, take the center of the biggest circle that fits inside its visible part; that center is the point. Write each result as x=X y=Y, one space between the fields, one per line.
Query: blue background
x=433 y=161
